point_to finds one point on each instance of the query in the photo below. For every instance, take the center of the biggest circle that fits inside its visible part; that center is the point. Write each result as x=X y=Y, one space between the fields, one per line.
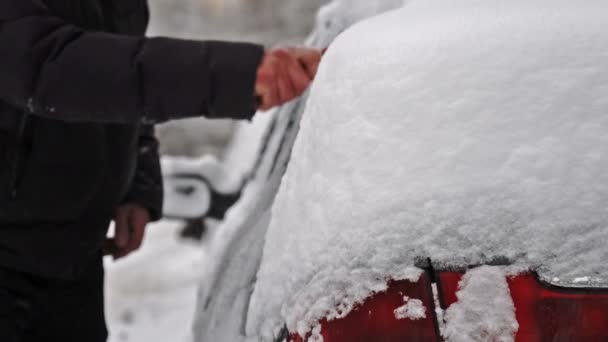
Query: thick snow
x=485 y=311
x=462 y=131
x=412 y=309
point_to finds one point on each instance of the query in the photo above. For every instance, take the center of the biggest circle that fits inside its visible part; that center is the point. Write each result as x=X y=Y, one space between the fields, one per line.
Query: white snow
x=316 y=335
x=338 y=15
x=484 y=311
x=462 y=131
x=412 y=309
x=219 y=175
x=439 y=312
x=201 y=174
x=242 y=154
x=234 y=249
x=151 y=295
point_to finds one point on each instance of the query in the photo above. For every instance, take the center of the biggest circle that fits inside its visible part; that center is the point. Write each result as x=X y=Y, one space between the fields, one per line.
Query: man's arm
x=147 y=185
x=143 y=202
x=53 y=69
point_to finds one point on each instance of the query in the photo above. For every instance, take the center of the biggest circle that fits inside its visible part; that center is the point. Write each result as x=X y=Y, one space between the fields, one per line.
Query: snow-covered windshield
x=461 y=131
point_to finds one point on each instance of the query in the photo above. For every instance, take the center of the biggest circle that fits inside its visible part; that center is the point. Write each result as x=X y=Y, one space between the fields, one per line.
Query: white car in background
x=448 y=183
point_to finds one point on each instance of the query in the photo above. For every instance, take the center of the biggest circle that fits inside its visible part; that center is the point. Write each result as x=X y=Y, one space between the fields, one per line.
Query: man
x=80 y=88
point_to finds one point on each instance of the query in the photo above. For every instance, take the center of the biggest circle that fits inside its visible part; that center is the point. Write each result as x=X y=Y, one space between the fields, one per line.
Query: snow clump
x=413 y=309
x=484 y=312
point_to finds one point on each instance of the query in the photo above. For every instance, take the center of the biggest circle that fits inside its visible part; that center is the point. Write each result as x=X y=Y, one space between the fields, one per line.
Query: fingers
x=298 y=76
x=269 y=96
x=130 y=225
x=139 y=218
x=309 y=59
x=121 y=227
x=265 y=86
x=284 y=74
x=285 y=87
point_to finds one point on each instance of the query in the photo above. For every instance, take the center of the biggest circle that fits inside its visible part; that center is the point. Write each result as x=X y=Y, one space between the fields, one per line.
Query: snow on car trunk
x=150 y=295
x=462 y=131
x=484 y=311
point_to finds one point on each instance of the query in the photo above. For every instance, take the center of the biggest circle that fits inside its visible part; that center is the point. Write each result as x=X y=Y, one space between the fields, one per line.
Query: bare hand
x=309 y=59
x=285 y=74
x=129 y=228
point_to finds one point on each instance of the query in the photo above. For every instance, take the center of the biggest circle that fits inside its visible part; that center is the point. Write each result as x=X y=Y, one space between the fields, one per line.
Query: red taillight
x=546 y=313
x=556 y=314
x=375 y=321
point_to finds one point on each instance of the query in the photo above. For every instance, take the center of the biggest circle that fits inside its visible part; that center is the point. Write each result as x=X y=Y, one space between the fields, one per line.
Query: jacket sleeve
x=53 y=69
x=147 y=185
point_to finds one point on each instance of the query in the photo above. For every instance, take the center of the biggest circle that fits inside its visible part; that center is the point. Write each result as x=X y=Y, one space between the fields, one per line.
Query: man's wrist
x=234 y=69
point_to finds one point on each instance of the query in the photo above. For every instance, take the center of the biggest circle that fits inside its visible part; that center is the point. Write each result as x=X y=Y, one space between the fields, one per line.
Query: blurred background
x=151 y=296
x=267 y=22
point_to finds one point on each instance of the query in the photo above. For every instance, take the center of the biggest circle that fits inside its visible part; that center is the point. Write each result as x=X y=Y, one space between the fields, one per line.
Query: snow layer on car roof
x=462 y=131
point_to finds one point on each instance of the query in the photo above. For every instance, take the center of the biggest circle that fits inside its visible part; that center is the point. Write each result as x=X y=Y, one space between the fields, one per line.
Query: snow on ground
x=151 y=295
x=485 y=311
x=464 y=131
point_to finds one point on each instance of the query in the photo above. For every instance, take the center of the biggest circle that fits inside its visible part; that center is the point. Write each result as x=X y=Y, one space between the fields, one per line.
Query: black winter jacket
x=80 y=88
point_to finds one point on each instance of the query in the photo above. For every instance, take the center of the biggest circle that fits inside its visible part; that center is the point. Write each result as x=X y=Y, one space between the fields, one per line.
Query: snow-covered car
x=447 y=183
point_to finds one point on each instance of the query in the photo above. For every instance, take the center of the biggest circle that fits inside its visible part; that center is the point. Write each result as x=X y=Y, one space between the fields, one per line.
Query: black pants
x=34 y=309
